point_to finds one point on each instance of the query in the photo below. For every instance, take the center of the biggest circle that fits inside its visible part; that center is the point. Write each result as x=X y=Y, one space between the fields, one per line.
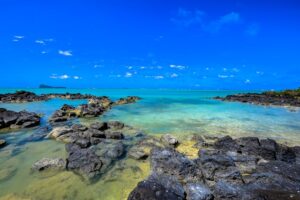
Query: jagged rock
x=14 y=120
x=110 y=134
x=101 y=126
x=115 y=125
x=158 y=187
x=127 y=100
x=49 y=163
x=169 y=140
x=94 y=160
x=198 y=191
x=137 y=153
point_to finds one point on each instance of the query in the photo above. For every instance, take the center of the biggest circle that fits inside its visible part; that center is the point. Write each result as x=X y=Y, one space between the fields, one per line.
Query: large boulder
x=22 y=119
x=158 y=187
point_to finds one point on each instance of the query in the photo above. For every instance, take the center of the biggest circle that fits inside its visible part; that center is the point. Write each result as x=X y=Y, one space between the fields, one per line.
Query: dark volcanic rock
x=22 y=119
x=21 y=97
x=284 y=98
x=244 y=168
x=127 y=100
x=158 y=187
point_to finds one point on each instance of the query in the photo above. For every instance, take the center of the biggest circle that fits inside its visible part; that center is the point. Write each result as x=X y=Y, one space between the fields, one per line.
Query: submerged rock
x=22 y=119
x=2 y=143
x=127 y=100
x=49 y=163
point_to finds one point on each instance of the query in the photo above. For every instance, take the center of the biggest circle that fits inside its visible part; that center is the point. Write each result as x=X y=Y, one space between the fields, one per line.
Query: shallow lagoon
x=180 y=112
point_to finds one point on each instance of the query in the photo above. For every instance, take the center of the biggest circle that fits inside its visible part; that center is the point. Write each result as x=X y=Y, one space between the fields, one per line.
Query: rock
x=2 y=143
x=101 y=126
x=92 y=161
x=78 y=127
x=137 y=154
x=83 y=161
x=15 y=120
x=115 y=125
x=158 y=187
x=169 y=140
x=198 y=191
x=49 y=163
x=59 y=131
x=170 y=162
x=127 y=100
x=114 y=135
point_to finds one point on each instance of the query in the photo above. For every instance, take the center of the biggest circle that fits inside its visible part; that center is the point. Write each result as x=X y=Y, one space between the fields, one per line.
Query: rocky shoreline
x=224 y=168
x=289 y=98
x=25 y=96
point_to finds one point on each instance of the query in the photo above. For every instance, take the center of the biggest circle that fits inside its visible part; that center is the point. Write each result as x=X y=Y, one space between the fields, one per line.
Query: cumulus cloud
x=65 y=53
x=64 y=76
x=247 y=81
x=17 y=38
x=128 y=75
x=40 y=42
x=97 y=66
x=225 y=76
x=174 y=75
x=181 y=67
x=159 y=77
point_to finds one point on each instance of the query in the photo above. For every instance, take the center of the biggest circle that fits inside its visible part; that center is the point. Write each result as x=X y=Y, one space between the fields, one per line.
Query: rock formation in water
x=14 y=120
x=243 y=168
x=284 y=98
x=94 y=108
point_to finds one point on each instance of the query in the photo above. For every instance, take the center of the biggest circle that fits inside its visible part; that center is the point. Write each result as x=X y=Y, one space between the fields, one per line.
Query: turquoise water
x=183 y=112
x=179 y=112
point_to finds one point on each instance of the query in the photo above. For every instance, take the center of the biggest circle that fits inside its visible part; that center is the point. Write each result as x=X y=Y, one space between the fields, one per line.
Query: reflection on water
x=160 y=111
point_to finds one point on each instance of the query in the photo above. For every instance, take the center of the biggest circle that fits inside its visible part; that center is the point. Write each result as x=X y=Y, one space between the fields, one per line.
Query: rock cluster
x=14 y=120
x=263 y=99
x=21 y=97
x=243 y=168
x=91 y=150
x=95 y=107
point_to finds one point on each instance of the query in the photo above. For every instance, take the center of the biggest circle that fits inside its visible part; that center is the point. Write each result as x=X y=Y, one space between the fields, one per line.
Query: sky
x=194 y=44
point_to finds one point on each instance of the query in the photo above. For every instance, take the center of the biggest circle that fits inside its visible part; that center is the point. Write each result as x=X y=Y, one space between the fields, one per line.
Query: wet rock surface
x=92 y=150
x=227 y=168
x=266 y=98
x=15 y=120
x=95 y=107
x=2 y=143
x=49 y=163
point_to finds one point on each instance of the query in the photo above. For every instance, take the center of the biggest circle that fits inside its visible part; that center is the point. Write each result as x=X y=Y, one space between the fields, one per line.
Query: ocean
x=178 y=112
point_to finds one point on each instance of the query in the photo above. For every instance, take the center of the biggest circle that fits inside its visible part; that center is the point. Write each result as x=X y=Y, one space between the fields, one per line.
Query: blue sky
x=232 y=44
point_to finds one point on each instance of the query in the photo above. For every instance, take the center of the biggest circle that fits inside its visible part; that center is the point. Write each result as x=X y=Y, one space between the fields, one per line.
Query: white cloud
x=174 y=75
x=247 y=81
x=225 y=76
x=207 y=68
x=259 y=73
x=129 y=67
x=235 y=70
x=128 y=75
x=40 y=42
x=18 y=36
x=76 y=77
x=65 y=53
x=43 y=52
x=64 y=76
x=159 y=77
x=142 y=67
x=181 y=67
x=224 y=69
x=252 y=30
